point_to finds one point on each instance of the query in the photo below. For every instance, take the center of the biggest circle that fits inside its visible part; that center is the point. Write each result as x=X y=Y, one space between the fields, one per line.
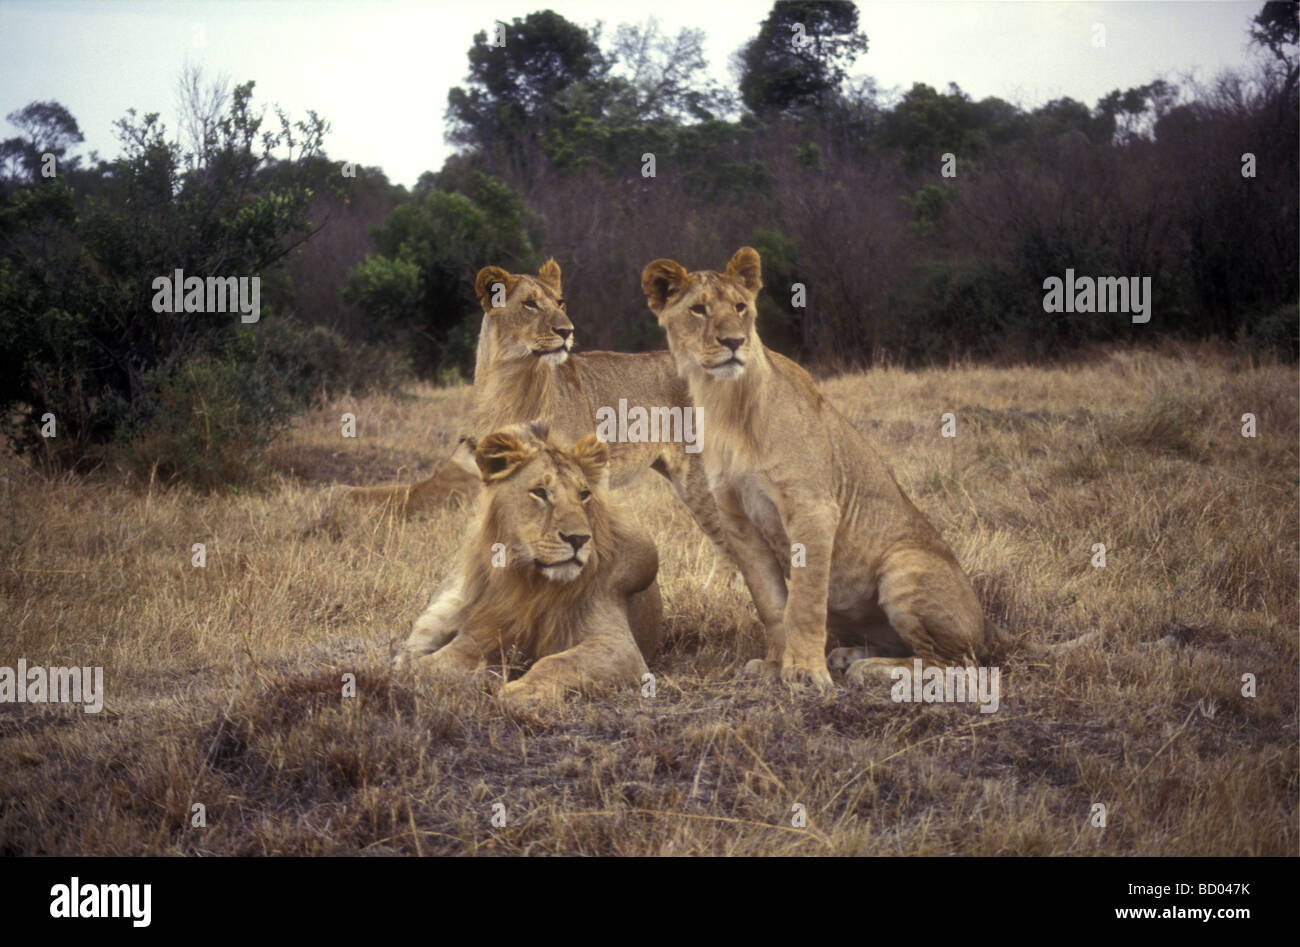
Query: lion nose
x=732 y=343
x=562 y=333
x=576 y=540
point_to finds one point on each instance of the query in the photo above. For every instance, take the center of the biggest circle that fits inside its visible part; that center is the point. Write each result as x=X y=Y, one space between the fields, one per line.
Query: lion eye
x=539 y=492
x=741 y=307
x=560 y=304
x=531 y=304
x=584 y=495
x=699 y=309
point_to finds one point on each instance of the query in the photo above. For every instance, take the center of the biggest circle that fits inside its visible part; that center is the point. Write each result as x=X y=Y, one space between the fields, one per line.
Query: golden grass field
x=224 y=683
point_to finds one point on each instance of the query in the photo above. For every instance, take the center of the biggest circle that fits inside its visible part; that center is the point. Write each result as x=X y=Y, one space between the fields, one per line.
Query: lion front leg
x=435 y=627
x=607 y=659
x=461 y=656
x=762 y=574
x=811 y=530
x=691 y=485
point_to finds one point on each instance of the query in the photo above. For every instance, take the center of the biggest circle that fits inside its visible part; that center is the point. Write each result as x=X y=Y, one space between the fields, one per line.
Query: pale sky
x=379 y=71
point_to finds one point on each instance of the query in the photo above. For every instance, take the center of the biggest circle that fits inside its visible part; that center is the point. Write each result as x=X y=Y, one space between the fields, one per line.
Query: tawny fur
x=585 y=632
x=524 y=370
x=786 y=468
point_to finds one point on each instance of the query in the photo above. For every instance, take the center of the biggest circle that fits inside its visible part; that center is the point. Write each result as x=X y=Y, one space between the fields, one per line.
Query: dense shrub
x=419 y=286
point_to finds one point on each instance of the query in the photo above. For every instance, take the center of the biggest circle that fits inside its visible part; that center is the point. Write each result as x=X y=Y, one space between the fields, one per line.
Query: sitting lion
x=524 y=369
x=553 y=573
x=823 y=535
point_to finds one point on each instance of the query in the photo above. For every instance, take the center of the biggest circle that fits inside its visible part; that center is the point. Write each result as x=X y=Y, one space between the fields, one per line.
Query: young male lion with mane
x=823 y=535
x=554 y=573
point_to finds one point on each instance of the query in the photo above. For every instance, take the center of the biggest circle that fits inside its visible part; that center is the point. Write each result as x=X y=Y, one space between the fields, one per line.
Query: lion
x=825 y=538
x=554 y=573
x=525 y=368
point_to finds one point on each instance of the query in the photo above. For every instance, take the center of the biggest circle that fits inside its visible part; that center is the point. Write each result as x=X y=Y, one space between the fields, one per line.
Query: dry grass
x=223 y=683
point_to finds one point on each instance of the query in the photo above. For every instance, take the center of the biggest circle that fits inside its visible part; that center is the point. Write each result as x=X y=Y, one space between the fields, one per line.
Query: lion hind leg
x=455 y=478
x=931 y=606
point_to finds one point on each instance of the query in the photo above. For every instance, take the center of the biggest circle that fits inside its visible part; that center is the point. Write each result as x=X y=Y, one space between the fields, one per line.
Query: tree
x=419 y=286
x=1062 y=115
x=80 y=336
x=512 y=88
x=927 y=123
x=1135 y=112
x=200 y=105
x=800 y=57
x=1277 y=28
x=655 y=76
x=48 y=128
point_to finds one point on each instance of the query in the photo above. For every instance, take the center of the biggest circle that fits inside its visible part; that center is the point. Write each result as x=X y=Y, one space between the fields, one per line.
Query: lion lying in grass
x=554 y=573
x=823 y=535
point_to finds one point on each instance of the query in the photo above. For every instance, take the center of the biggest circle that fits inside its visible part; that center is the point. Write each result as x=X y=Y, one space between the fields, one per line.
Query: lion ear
x=592 y=455
x=499 y=455
x=463 y=455
x=550 y=273
x=485 y=284
x=659 y=281
x=746 y=268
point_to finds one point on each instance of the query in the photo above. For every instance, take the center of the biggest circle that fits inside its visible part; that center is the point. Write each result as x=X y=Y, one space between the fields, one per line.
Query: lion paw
x=816 y=677
x=867 y=672
x=761 y=669
x=840 y=658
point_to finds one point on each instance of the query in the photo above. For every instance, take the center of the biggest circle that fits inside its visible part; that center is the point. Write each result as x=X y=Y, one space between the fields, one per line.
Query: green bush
x=948 y=309
x=1276 y=330
x=209 y=420
x=418 y=288
x=79 y=335
x=780 y=325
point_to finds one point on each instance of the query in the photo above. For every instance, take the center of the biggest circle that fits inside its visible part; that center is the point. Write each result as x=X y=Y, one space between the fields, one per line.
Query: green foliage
x=47 y=128
x=1276 y=329
x=209 y=420
x=780 y=324
x=927 y=124
x=927 y=206
x=418 y=288
x=79 y=336
x=780 y=77
x=809 y=154
x=512 y=88
x=947 y=310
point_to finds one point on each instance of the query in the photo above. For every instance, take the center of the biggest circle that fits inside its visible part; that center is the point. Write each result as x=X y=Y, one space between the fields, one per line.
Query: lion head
x=545 y=504
x=708 y=316
x=523 y=316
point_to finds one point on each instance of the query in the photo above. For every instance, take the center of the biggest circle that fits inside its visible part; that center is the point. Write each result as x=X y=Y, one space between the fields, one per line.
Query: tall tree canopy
x=512 y=88
x=47 y=128
x=801 y=56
